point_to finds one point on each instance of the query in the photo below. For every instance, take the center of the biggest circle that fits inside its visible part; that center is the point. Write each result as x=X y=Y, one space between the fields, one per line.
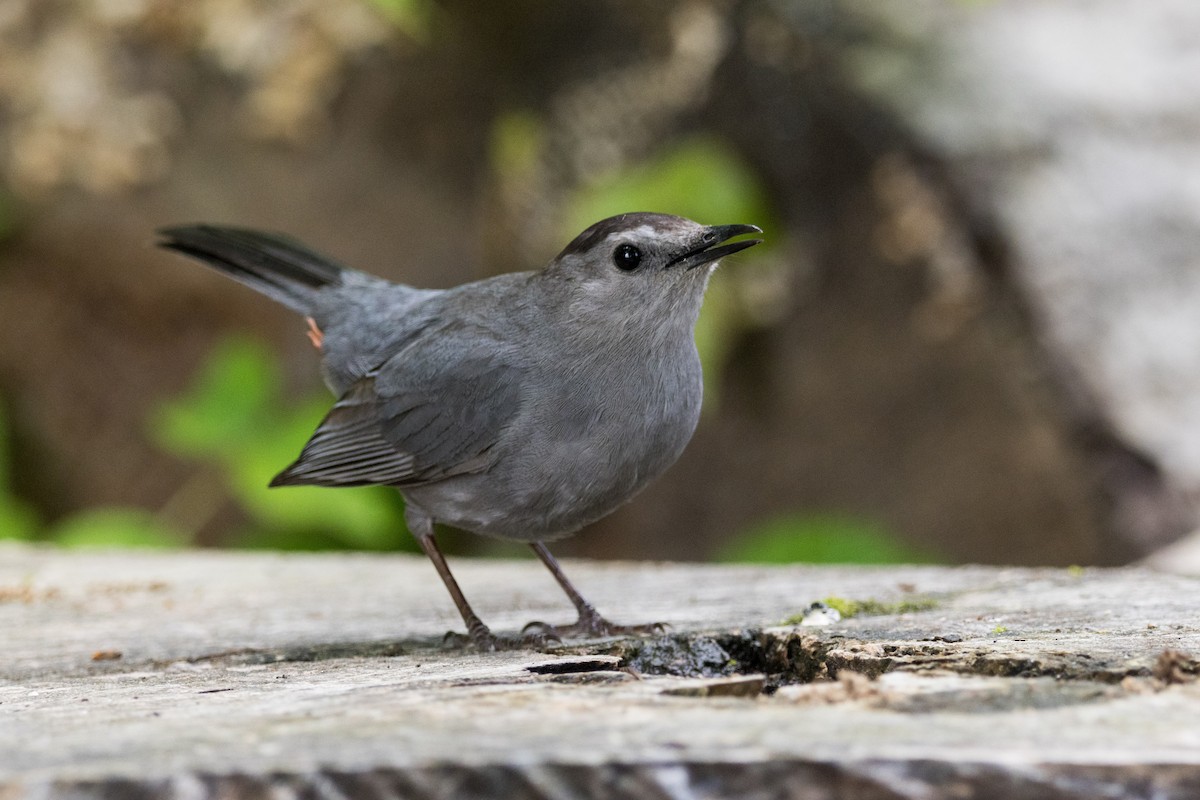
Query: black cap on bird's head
x=645 y=241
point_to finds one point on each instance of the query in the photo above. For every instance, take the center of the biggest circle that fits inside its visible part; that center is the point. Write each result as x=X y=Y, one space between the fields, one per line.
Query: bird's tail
x=279 y=267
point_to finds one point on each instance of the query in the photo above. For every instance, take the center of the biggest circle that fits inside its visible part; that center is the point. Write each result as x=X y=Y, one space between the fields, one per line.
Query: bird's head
x=643 y=264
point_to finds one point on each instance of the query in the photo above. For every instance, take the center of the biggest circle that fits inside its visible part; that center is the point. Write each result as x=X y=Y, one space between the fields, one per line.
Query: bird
x=523 y=406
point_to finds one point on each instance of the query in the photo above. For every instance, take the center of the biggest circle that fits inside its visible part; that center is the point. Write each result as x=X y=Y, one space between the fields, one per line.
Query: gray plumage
x=523 y=406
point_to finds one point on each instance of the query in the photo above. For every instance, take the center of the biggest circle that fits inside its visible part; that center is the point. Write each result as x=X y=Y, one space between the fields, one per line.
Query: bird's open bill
x=714 y=235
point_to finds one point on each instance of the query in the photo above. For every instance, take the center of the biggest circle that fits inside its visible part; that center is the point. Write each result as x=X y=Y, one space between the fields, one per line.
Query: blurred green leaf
x=410 y=16
x=235 y=417
x=114 y=528
x=17 y=519
x=224 y=411
x=516 y=138
x=820 y=539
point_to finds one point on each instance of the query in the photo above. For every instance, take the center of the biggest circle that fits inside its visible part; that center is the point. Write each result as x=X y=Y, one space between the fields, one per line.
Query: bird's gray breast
x=610 y=432
x=593 y=430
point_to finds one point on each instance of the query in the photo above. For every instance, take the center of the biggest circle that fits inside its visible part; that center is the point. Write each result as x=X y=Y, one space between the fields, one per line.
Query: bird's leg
x=481 y=636
x=590 y=623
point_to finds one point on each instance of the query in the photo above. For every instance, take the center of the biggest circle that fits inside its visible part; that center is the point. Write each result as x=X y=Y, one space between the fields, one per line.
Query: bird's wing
x=420 y=417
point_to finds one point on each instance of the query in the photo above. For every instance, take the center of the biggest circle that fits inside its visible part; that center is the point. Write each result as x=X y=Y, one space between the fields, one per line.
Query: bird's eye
x=627 y=257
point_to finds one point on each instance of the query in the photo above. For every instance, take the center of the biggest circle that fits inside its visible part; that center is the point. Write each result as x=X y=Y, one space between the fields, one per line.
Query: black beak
x=707 y=251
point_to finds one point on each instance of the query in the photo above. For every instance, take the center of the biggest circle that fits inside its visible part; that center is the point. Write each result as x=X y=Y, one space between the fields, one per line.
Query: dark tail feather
x=279 y=267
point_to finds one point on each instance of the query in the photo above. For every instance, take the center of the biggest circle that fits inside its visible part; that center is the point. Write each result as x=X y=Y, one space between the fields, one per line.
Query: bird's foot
x=591 y=625
x=533 y=636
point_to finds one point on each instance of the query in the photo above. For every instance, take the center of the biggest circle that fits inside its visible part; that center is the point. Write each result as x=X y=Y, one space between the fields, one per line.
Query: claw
x=539 y=628
x=595 y=626
x=453 y=640
x=539 y=634
x=533 y=636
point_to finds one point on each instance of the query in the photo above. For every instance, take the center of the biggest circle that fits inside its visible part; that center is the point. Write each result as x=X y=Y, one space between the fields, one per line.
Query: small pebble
x=820 y=614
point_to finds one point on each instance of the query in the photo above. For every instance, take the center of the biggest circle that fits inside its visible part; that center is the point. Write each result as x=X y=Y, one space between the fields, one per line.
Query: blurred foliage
x=235 y=418
x=515 y=143
x=17 y=519
x=413 y=17
x=115 y=527
x=821 y=539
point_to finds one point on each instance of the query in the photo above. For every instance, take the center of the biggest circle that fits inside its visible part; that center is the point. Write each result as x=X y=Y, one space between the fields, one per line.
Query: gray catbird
x=523 y=406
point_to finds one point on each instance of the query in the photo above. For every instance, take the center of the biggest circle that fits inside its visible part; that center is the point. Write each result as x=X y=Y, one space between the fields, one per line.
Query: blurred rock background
x=974 y=335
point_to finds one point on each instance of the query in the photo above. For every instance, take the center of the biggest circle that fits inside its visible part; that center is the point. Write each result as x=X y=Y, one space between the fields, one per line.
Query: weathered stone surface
x=209 y=674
